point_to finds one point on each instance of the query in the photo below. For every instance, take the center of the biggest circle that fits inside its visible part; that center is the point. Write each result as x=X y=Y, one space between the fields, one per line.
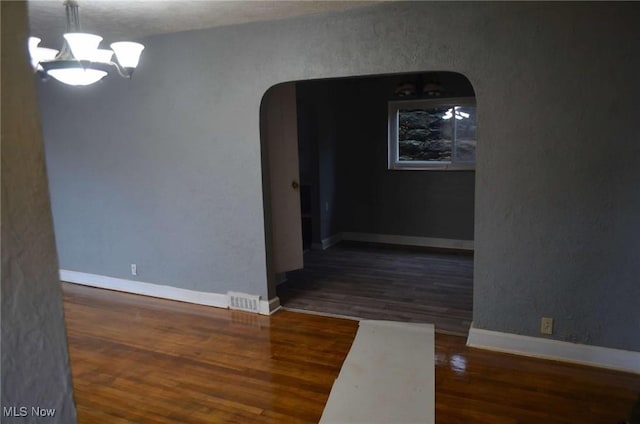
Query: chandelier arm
x=124 y=72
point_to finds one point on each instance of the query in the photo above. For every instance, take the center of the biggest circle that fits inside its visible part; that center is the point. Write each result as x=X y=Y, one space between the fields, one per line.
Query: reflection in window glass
x=423 y=135
x=434 y=133
x=465 y=134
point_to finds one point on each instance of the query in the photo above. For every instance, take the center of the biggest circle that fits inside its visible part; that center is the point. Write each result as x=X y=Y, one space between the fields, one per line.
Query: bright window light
x=432 y=134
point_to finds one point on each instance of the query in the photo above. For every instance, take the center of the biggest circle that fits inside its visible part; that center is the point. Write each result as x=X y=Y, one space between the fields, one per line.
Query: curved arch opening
x=332 y=138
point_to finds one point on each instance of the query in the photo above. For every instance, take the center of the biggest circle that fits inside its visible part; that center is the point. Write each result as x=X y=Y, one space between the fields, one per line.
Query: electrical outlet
x=546 y=325
x=134 y=269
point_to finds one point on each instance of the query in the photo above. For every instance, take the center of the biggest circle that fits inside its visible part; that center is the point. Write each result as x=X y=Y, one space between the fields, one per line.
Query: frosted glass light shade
x=102 y=56
x=39 y=54
x=83 y=45
x=33 y=45
x=77 y=76
x=128 y=53
x=43 y=53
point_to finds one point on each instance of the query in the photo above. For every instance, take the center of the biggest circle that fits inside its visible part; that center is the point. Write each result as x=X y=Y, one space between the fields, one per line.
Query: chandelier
x=80 y=61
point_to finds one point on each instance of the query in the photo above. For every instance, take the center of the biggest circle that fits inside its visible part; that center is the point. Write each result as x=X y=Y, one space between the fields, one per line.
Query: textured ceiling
x=118 y=20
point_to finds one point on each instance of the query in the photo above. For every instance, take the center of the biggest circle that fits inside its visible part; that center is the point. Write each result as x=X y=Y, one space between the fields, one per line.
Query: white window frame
x=393 y=159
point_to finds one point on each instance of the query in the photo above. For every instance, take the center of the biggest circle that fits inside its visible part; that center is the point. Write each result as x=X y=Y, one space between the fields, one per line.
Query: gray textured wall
x=35 y=364
x=164 y=170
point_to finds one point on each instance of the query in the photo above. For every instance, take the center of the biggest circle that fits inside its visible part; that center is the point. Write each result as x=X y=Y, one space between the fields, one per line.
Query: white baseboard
x=217 y=300
x=409 y=240
x=616 y=359
x=268 y=308
x=328 y=242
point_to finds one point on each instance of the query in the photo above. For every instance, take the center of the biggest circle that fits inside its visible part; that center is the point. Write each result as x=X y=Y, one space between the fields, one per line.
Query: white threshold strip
x=218 y=300
x=440 y=243
x=321 y=314
x=615 y=359
x=387 y=377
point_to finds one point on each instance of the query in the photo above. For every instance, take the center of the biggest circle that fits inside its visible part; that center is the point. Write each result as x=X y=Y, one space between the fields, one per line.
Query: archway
x=349 y=191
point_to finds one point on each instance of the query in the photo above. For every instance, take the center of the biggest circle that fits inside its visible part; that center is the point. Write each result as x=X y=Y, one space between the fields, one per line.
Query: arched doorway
x=350 y=192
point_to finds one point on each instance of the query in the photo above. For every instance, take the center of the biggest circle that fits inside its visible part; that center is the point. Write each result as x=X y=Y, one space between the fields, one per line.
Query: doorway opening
x=381 y=240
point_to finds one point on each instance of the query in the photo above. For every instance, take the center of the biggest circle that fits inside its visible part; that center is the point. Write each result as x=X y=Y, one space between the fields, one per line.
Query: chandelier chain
x=73 y=16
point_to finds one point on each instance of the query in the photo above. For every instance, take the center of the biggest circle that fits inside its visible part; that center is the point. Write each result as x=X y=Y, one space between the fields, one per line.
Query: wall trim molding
x=603 y=357
x=270 y=307
x=217 y=300
x=329 y=241
x=408 y=240
x=439 y=243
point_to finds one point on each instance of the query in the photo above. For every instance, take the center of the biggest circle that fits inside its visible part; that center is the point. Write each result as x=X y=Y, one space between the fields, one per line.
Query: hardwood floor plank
x=136 y=359
x=229 y=366
x=382 y=282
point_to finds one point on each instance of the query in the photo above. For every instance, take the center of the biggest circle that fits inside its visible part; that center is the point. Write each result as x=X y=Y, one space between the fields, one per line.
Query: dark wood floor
x=145 y=360
x=137 y=359
x=382 y=282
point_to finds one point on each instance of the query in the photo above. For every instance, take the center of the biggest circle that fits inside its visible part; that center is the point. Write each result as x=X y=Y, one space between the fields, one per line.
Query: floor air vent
x=244 y=302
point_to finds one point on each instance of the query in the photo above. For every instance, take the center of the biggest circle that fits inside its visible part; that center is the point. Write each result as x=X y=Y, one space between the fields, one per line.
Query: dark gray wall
x=376 y=200
x=343 y=144
x=165 y=169
x=318 y=133
x=35 y=362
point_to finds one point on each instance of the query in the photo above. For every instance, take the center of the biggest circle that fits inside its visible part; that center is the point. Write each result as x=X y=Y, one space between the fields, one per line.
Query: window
x=432 y=134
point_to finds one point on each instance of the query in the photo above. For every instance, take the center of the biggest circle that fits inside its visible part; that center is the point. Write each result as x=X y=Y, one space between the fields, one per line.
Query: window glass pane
x=423 y=135
x=465 y=134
